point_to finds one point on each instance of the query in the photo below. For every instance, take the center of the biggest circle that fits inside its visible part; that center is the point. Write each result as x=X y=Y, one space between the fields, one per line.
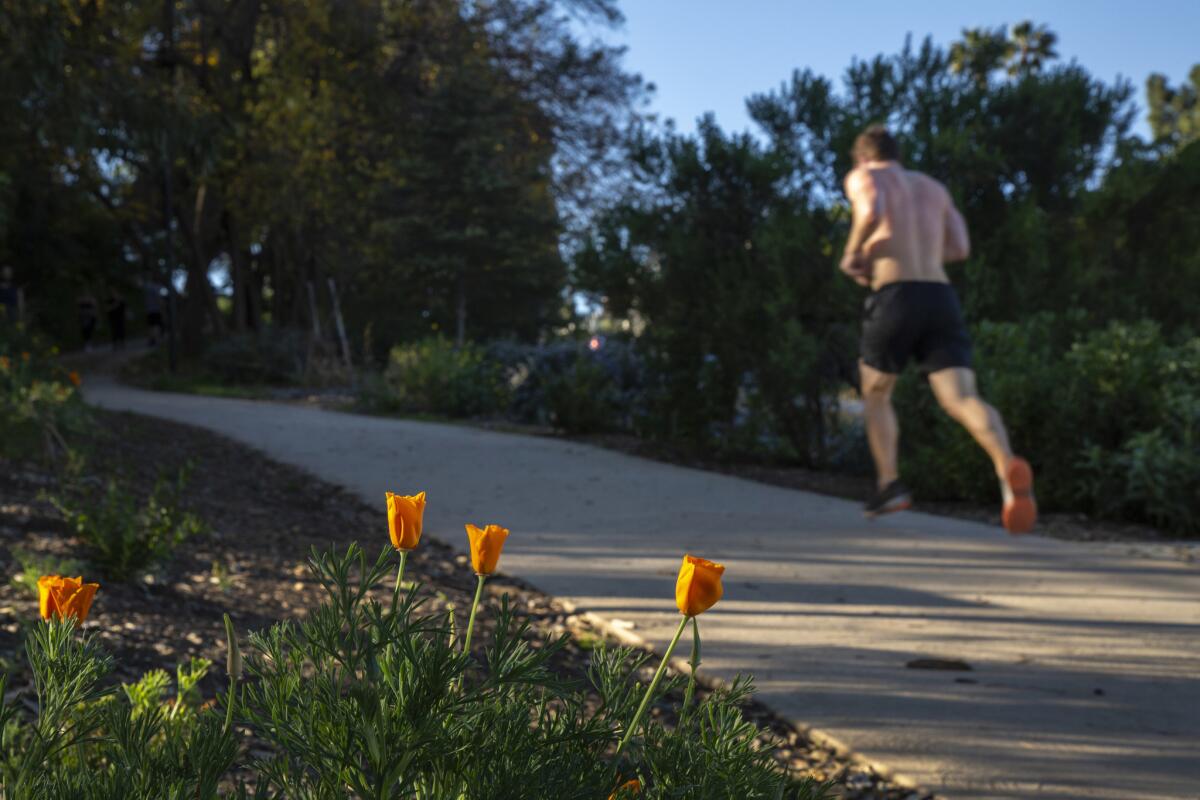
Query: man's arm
x=864 y=202
x=957 y=245
x=864 y=205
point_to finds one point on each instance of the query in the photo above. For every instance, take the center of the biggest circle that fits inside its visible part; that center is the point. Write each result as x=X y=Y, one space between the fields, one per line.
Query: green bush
x=274 y=356
x=365 y=700
x=40 y=406
x=125 y=538
x=1110 y=420
x=436 y=377
x=32 y=565
x=583 y=399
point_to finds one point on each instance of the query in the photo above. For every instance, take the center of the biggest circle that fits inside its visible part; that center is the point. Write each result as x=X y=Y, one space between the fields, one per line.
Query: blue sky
x=710 y=55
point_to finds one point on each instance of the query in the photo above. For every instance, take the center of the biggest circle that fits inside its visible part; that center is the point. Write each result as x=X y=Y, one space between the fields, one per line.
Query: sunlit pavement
x=1085 y=660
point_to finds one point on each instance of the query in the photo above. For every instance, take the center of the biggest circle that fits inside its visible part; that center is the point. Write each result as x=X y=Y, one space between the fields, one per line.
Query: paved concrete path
x=1085 y=679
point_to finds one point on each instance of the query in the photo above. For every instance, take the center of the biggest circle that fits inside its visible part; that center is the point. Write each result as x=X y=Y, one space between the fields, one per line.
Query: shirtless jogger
x=905 y=228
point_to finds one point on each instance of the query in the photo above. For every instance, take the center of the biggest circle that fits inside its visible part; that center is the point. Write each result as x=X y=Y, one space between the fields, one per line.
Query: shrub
x=1153 y=476
x=273 y=356
x=40 y=406
x=124 y=538
x=32 y=565
x=434 y=376
x=583 y=399
x=562 y=383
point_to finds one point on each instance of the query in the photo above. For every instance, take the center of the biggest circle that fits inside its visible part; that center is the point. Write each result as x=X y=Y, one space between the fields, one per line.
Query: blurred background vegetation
x=474 y=187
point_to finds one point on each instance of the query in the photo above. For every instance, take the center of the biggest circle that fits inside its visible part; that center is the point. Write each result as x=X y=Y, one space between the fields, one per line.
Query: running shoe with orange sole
x=1020 y=507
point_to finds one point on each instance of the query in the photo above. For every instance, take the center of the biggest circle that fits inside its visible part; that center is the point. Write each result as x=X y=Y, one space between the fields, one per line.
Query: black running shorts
x=918 y=320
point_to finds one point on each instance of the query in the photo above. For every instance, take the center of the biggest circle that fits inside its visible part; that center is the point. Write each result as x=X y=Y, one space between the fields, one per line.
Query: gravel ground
x=264 y=517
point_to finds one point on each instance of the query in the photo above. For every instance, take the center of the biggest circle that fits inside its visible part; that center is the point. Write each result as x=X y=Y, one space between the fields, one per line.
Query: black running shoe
x=893 y=497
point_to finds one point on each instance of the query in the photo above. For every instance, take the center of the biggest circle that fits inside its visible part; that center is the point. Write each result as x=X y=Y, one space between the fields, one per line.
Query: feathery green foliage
x=357 y=700
x=124 y=537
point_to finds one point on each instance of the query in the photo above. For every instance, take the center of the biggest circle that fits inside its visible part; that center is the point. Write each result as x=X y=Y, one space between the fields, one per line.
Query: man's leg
x=883 y=432
x=955 y=391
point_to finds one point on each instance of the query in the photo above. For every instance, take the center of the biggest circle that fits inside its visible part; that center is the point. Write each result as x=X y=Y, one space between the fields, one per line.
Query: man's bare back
x=905 y=226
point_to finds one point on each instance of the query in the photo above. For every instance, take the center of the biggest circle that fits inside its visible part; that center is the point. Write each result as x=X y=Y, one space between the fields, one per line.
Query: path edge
x=820 y=737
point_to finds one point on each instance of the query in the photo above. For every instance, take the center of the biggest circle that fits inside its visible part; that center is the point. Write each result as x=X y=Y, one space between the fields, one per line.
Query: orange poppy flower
x=74 y=378
x=406 y=515
x=486 y=545
x=698 y=587
x=62 y=597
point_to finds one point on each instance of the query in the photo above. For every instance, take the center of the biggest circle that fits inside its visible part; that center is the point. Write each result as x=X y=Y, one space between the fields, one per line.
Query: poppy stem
x=230 y=698
x=399 y=580
x=471 y=619
x=695 y=662
x=653 y=685
x=234 y=668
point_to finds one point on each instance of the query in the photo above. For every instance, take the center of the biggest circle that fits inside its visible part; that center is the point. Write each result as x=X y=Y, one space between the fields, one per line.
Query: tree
x=1021 y=51
x=1174 y=112
x=981 y=52
x=1030 y=47
x=426 y=155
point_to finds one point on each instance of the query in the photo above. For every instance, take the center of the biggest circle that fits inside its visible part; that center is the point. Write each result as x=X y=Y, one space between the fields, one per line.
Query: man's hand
x=858 y=267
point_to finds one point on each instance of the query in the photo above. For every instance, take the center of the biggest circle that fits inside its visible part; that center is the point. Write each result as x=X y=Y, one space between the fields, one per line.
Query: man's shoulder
x=858 y=175
x=861 y=180
x=928 y=188
x=922 y=178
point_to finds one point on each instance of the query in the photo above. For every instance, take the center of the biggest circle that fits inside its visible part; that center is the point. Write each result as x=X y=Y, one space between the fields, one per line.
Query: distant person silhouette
x=905 y=228
x=152 y=300
x=89 y=317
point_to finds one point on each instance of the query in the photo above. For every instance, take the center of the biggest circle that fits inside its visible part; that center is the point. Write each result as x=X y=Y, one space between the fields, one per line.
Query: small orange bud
x=406 y=515
x=698 y=587
x=486 y=545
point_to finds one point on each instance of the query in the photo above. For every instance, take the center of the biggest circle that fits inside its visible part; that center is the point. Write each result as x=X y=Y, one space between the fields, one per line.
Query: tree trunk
x=201 y=302
x=238 y=273
x=254 y=289
x=460 y=311
x=275 y=243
